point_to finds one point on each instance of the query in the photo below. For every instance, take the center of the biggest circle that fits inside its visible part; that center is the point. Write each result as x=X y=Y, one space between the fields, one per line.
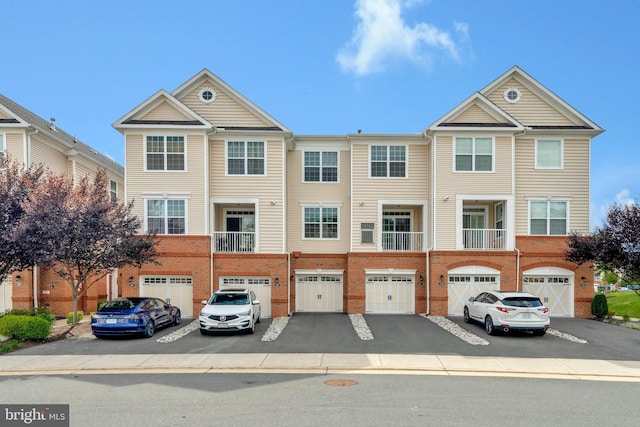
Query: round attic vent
x=207 y=95
x=512 y=95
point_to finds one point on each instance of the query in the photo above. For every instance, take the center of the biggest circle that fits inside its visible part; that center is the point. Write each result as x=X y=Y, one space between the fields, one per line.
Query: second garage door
x=176 y=290
x=391 y=293
x=319 y=292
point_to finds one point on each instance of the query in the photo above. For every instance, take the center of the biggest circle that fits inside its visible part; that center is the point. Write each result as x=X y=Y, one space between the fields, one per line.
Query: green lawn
x=624 y=304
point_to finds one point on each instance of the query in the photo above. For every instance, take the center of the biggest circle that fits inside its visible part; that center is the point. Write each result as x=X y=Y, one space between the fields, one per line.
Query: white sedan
x=505 y=311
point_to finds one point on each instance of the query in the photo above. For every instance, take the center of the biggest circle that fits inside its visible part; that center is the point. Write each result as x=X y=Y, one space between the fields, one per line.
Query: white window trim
x=245 y=140
x=473 y=154
x=3 y=142
x=337 y=181
x=165 y=197
x=509 y=218
x=165 y=135
x=536 y=166
x=548 y=200
x=406 y=161
x=113 y=181
x=304 y=206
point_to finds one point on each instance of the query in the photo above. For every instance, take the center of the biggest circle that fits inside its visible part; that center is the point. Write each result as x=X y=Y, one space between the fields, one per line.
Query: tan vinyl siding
x=370 y=190
x=329 y=194
x=14 y=143
x=83 y=169
x=43 y=152
x=531 y=110
x=474 y=114
x=165 y=111
x=189 y=183
x=572 y=181
x=222 y=112
x=4 y=115
x=450 y=183
x=266 y=188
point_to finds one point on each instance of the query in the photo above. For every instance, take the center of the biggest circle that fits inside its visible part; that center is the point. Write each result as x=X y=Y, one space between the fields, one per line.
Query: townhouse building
x=483 y=198
x=29 y=139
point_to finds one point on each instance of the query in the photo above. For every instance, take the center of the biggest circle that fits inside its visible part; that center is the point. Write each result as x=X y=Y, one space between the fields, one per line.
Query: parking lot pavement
x=392 y=334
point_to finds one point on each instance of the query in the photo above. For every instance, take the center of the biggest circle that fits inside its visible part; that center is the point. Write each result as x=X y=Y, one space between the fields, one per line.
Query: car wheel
x=488 y=326
x=258 y=320
x=177 y=319
x=467 y=319
x=150 y=329
x=539 y=332
x=252 y=329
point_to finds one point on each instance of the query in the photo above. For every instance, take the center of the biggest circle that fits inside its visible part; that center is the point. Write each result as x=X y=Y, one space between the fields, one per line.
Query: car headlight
x=245 y=313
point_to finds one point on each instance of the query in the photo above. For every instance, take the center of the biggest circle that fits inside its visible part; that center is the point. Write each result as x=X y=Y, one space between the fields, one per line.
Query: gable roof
x=501 y=120
x=132 y=118
x=195 y=120
x=21 y=117
x=454 y=119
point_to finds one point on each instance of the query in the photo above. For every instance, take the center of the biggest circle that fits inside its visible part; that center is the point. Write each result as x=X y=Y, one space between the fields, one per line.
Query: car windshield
x=522 y=302
x=229 y=299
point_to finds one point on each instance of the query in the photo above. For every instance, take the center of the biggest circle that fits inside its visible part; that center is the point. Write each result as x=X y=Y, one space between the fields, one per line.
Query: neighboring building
x=30 y=139
x=362 y=223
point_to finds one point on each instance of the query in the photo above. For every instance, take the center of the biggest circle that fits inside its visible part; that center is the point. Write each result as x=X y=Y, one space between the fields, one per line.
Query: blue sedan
x=133 y=316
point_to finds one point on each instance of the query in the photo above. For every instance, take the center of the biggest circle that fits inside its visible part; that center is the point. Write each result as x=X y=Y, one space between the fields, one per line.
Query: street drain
x=340 y=383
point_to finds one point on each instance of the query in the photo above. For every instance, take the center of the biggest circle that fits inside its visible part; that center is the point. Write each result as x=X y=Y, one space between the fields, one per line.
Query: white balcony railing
x=234 y=241
x=401 y=241
x=483 y=238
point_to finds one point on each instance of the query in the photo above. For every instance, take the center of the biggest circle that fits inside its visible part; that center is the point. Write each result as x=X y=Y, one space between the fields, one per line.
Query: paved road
x=334 y=333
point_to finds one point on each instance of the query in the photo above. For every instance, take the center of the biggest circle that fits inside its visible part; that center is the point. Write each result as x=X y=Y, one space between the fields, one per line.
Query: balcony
x=402 y=241
x=234 y=241
x=484 y=238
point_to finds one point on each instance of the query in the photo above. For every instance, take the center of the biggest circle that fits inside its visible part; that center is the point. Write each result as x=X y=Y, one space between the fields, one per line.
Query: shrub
x=43 y=313
x=24 y=327
x=599 y=306
x=70 y=317
x=9 y=346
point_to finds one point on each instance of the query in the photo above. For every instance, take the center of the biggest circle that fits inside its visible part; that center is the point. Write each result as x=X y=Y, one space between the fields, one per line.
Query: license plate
x=112 y=321
x=526 y=315
x=223 y=325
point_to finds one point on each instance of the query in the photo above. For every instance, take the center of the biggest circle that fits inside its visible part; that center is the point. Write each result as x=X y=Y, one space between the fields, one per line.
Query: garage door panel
x=6 y=293
x=260 y=286
x=177 y=290
x=319 y=293
x=460 y=292
x=390 y=294
x=556 y=292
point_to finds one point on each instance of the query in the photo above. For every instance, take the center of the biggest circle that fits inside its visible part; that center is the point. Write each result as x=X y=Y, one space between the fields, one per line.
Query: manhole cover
x=340 y=383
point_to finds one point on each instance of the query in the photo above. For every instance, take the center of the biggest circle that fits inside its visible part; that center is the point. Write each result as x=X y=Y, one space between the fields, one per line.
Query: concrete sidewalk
x=322 y=364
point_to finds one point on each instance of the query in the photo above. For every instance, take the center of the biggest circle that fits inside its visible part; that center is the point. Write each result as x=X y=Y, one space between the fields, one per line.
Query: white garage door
x=6 y=292
x=261 y=286
x=319 y=292
x=555 y=289
x=176 y=290
x=467 y=282
x=391 y=294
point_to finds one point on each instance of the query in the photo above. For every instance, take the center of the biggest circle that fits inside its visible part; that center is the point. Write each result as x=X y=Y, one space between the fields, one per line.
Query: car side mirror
x=204 y=302
x=471 y=299
x=256 y=302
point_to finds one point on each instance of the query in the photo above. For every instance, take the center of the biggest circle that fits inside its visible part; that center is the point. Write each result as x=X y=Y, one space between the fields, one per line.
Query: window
x=321 y=166
x=366 y=232
x=1 y=143
x=165 y=153
x=113 y=190
x=321 y=223
x=388 y=161
x=166 y=216
x=474 y=154
x=245 y=158
x=548 y=154
x=548 y=218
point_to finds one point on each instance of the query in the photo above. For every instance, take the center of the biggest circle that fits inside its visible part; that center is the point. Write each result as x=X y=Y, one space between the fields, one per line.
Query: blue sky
x=330 y=66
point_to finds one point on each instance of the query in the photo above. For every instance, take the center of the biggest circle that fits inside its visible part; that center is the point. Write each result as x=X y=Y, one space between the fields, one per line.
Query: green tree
x=614 y=246
x=81 y=234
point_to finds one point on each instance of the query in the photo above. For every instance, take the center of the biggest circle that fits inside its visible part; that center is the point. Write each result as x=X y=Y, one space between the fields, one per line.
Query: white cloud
x=623 y=197
x=382 y=36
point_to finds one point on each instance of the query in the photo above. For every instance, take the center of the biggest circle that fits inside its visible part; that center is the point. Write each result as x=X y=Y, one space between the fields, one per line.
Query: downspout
x=431 y=227
x=517 y=269
x=428 y=273
x=288 y=283
x=27 y=163
x=513 y=183
x=208 y=222
x=35 y=286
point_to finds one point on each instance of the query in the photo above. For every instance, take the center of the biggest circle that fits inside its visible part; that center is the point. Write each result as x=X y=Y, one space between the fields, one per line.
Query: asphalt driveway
x=392 y=334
